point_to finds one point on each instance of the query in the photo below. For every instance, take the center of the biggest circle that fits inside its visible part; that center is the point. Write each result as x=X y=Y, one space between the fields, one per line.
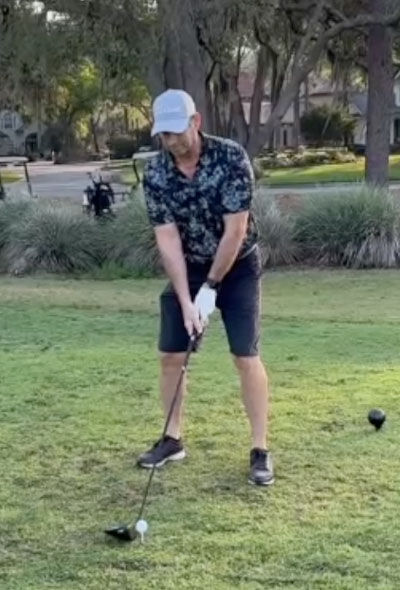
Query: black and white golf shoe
x=164 y=450
x=261 y=469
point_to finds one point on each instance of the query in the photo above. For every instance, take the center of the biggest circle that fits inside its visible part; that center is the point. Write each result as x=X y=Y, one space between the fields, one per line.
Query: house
x=17 y=137
x=359 y=108
x=245 y=87
x=318 y=93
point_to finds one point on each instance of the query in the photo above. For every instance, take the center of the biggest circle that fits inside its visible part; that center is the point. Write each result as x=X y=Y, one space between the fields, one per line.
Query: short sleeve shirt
x=223 y=184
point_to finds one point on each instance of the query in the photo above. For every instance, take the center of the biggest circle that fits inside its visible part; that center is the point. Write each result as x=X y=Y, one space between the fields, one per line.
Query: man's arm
x=227 y=251
x=230 y=244
x=236 y=196
x=170 y=247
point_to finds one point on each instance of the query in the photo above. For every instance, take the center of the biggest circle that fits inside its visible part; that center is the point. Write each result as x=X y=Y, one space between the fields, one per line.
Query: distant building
x=317 y=94
x=18 y=137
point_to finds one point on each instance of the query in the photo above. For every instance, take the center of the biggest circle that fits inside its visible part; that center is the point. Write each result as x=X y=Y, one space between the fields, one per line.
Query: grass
x=79 y=400
x=8 y=177
x=353 y=172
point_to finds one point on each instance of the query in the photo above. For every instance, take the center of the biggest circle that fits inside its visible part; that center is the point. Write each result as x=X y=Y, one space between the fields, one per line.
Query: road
x=65 y=181
x=327 y=188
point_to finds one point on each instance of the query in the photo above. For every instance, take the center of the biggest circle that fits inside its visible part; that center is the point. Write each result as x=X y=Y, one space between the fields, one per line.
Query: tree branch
x=364 y=20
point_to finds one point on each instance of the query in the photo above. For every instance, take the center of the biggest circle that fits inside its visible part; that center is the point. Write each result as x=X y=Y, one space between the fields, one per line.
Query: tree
x=198 y=45
x=74 y=97
x=380 y=95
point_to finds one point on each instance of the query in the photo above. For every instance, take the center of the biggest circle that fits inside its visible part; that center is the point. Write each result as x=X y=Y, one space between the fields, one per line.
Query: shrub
x=311 y=158
x=304 y=157
x=10 y=212
x=275 y=232
x=52 y=238
x=357 y=230
x=325 y=123
x=342 y=157
x=121 y=146
x=131 y=240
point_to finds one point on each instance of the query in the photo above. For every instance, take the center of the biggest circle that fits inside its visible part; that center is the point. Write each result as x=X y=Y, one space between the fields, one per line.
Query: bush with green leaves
x=122 y=146
x=309 y=157
x=12 y=211
x=52 y=238
x=357 y=230
x=276 y=239
x=130 y=239
x=327 y=124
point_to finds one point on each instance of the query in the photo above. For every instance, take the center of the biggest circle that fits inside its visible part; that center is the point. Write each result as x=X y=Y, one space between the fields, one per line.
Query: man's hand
x=191 y=319
x=205 y=303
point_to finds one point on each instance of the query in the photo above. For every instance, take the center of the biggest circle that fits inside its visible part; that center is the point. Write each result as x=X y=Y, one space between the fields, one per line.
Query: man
x=198 y=192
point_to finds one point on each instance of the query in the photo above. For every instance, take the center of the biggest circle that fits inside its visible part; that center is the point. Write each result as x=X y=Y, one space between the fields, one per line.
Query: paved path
x=333 y=187
x=65 y=181
x=69 y=180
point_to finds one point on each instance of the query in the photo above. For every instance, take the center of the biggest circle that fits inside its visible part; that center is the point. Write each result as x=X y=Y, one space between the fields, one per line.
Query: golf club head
x=377 y=417
x=122 y=533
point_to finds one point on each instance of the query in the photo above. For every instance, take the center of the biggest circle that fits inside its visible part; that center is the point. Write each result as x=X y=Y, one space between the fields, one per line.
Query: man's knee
x=171 y=361
x=246 y=364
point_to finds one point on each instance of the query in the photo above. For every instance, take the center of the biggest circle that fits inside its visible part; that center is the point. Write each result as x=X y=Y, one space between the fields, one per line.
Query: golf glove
x=205 y=302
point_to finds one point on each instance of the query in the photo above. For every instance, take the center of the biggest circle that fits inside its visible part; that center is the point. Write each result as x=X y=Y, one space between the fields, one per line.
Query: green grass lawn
x=353 y=172
x=8 y=177
x=79 y=401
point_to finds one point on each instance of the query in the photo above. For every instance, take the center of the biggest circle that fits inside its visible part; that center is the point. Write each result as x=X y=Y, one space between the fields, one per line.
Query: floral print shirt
x=223 y=184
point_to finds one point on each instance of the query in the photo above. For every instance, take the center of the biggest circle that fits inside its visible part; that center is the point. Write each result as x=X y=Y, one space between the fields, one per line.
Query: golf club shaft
x=192 y=343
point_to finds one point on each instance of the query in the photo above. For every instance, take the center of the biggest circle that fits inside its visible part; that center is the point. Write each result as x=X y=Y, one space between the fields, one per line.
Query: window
x=397 y=130
x=7 y=121
x=397 y=95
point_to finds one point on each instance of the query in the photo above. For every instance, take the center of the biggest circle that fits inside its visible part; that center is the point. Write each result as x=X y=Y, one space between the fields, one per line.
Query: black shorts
x=238 y=300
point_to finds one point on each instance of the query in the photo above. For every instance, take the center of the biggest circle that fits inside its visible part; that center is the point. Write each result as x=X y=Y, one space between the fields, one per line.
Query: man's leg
x=173 y=343
x=254 y=386
x=171 y=367
x=239 y=301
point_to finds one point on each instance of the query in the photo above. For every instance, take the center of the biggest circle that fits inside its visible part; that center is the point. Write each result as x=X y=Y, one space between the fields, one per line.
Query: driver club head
x=122 y=533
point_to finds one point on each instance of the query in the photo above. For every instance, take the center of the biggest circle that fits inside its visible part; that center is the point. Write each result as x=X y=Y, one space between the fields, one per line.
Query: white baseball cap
x=172 y=111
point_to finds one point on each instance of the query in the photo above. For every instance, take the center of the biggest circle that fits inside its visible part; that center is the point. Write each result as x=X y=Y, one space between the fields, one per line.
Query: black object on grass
x=376 y=417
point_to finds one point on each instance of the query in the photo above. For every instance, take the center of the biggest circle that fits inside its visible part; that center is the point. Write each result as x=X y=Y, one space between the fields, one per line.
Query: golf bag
x=98 y=197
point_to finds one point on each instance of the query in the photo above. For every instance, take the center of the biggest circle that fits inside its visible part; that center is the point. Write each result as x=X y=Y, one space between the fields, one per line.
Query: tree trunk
x=126 y=120
x=306 y=95
x=259 y=90
x=288 y=94
x=183 y=66
x=296 y=124
x=380 y=98
x=222 y=87
x=94 y=135
x=239 y=120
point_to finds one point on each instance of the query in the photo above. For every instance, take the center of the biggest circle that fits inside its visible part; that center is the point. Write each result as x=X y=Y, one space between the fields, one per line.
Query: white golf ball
x=141 y=526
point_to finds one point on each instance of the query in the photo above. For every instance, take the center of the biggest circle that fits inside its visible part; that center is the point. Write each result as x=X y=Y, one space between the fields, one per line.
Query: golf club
x=129 y=532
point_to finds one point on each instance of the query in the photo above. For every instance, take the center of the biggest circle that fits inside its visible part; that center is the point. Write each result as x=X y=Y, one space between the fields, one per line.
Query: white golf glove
x=205 y=302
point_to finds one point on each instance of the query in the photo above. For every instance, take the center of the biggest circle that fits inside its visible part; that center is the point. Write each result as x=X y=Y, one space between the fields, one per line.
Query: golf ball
x=141 y=526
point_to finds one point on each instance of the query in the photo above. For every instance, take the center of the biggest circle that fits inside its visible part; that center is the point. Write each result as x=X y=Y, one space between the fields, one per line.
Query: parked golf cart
x=98 y=197
x=16 y=161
